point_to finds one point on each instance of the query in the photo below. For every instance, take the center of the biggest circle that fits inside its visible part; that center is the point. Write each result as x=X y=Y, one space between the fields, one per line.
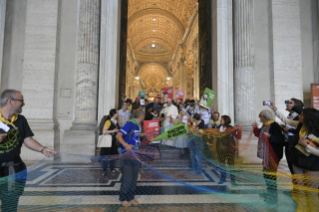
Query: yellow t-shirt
x=107 y=124
x=130 y=108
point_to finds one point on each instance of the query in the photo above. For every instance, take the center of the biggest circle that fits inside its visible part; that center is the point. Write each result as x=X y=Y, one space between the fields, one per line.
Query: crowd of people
x=297 y=135
x=274 y=139
x=126 y=127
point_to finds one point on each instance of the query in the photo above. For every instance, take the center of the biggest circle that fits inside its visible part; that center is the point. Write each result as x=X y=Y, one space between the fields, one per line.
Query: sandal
x=135 y=202
x=126 y=204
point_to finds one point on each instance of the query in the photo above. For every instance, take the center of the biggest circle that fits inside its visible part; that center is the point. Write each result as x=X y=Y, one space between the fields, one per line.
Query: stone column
x=81 y=139
x=244 y=62
x=87 y=65
x=109 y=56
x=2 y=23
x=223 y=60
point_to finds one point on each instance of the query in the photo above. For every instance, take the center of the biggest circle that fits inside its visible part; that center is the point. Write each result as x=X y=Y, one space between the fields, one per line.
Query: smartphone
x=142 y=102
x=266 y=103
x=286 y=102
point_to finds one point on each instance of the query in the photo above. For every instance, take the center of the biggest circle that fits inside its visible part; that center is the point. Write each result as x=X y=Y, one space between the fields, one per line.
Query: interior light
x=168 y=78
x=154 y=30
x=153 y=45
x=154 y=19
x=137 y=78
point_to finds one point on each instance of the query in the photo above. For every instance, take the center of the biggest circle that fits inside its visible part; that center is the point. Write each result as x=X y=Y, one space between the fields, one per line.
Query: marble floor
x=71 y=186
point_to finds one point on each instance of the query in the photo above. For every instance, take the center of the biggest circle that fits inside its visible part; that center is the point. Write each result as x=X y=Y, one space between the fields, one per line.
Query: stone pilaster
x=244 y=62
x=286 y=51
x=81 y=139
x=38 y=75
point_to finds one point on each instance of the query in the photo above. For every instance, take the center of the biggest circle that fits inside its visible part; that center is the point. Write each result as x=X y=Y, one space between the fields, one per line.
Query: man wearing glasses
x=11 y=140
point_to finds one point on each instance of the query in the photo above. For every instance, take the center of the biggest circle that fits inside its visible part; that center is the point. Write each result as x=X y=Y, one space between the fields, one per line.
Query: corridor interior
x=162 y=47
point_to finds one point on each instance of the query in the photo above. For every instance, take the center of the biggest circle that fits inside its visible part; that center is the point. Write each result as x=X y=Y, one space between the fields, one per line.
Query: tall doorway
x=165 y=43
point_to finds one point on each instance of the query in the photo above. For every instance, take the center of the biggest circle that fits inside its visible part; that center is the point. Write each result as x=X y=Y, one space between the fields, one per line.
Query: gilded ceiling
x=158 y=22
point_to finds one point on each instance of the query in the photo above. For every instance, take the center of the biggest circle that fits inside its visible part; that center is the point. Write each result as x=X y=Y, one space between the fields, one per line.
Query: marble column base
x=82 y=142
x=84 y=125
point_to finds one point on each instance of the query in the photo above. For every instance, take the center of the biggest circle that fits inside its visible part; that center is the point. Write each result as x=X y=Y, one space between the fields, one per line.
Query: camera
x=286 y=102
x=266 y=103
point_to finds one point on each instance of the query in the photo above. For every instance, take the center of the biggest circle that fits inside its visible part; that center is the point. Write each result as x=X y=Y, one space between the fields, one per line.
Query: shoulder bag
x=105 y=141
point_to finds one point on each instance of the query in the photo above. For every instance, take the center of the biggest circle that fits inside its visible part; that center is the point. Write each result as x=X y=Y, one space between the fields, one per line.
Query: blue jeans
x=196 y=159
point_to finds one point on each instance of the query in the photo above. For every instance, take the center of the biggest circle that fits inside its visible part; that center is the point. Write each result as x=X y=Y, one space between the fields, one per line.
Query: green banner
x=142 y=94
x=176 y=131
x=208 y=97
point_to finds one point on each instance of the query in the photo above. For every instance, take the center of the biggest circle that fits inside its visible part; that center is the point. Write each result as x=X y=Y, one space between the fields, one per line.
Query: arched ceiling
x=161 y=22
x=153 y=69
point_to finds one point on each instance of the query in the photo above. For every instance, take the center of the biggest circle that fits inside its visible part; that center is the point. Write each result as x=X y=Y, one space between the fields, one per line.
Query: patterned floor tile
x=82 y=176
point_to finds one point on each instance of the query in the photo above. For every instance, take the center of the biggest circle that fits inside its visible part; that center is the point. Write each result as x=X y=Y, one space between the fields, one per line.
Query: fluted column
x=2 y=23
x=244 y=62
x=87 y=64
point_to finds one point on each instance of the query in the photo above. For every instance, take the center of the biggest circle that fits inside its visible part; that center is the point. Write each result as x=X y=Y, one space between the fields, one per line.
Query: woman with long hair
x=111 y=127
x=226 y=148
x=306 y=159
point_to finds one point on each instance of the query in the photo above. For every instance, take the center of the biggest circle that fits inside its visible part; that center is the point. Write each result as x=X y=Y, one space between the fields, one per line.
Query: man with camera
x=16 y=132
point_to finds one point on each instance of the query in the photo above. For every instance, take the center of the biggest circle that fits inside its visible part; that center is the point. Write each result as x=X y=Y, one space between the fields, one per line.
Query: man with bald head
x=170 y=112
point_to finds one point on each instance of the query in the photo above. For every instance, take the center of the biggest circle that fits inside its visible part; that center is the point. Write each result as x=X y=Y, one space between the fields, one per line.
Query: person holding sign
x=18 y=132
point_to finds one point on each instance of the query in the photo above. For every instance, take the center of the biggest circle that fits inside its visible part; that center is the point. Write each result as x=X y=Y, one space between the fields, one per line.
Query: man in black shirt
x=10 y=148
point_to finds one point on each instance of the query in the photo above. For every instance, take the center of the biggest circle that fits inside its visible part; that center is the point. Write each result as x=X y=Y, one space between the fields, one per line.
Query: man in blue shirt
x=129 y=137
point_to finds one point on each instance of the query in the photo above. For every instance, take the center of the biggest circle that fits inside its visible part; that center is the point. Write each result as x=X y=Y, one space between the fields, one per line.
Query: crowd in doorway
x=295 y=136
x=300 y=127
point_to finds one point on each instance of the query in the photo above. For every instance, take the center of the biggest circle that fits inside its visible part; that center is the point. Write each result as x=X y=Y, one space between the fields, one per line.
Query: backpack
x=103 y=120
x=118 y=144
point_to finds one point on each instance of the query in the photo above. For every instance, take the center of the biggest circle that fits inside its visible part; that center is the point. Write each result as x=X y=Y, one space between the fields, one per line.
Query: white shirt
x=124 y=116
x=222 y=128
x=291 y=117
x=205 y=114
x=169 y=111
x=185 y=119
